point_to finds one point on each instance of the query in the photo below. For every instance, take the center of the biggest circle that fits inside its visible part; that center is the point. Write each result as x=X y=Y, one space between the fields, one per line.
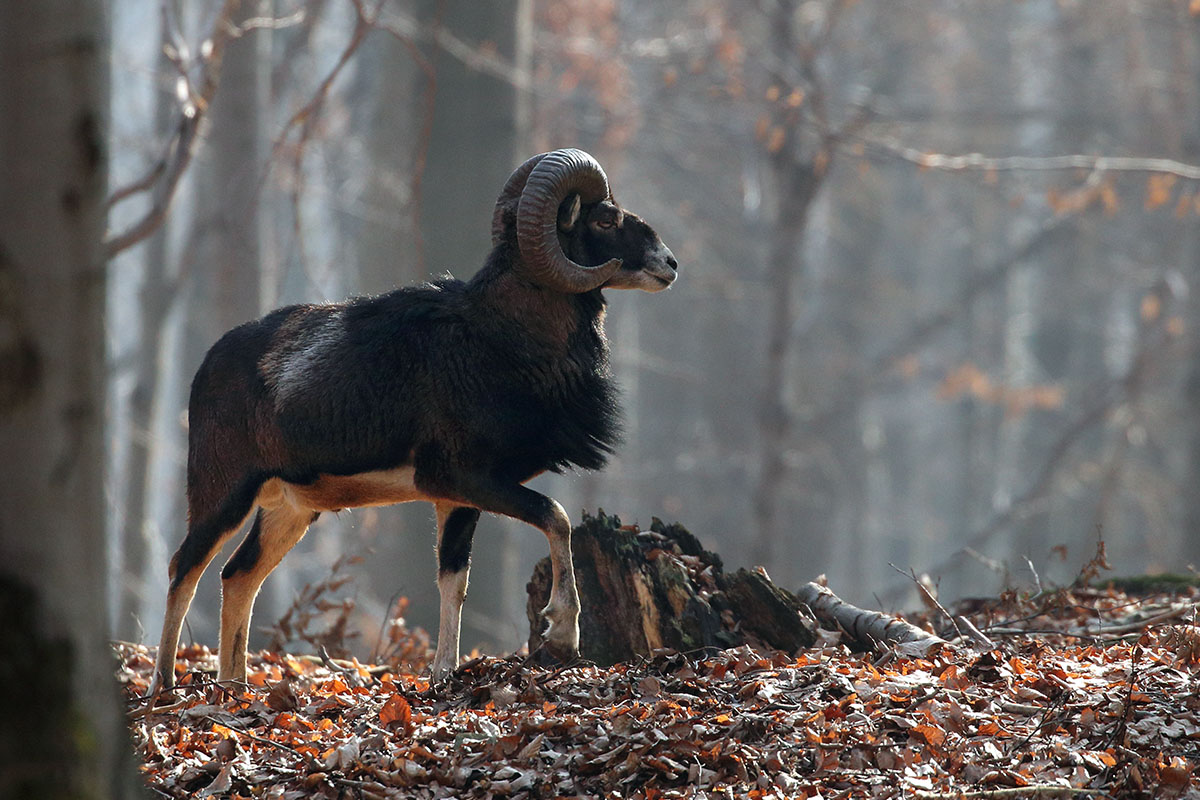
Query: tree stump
x=645 y=590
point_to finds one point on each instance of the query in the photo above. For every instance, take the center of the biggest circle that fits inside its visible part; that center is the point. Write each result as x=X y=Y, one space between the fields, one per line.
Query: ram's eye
x=606 y=224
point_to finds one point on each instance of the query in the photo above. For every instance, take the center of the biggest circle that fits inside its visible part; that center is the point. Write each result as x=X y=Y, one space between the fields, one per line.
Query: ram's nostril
x=672 y=263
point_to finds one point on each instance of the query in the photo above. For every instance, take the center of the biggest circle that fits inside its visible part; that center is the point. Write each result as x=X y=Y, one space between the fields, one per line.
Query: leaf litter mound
x=1080 y=693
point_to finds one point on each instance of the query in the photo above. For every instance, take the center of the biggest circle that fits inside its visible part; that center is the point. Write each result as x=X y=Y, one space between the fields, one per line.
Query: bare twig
x=974 y=288
x=409 y=29
x=306 y=114
x=149 y=708
x=271 y=23
x=1121 y=727
x=163 y=178
x=928 y=597
x=979 y=162
x=306 y=759
x=973 y=632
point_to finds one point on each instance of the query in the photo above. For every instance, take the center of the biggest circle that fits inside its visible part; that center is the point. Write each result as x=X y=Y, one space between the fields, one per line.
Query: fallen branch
x=1141 y=625
x=1034 y=790
x=867 y=626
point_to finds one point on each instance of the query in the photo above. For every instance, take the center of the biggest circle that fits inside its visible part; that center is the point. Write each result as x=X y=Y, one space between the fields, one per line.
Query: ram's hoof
x=559 y=648
x=547 y=655
x=565 y=654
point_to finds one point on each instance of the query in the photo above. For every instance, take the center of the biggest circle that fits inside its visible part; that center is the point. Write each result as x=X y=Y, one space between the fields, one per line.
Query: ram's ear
x=568 y=212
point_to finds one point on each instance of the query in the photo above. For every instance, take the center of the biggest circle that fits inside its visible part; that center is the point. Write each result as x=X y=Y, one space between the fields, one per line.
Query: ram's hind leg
x=200 y=546
x=456 y=528
x=275 y=532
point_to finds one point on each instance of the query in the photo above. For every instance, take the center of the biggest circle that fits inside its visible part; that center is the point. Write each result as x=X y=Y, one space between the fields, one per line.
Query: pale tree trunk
x=63 y=734
x=1025 y=288
x=225 y=243
x=138 y=535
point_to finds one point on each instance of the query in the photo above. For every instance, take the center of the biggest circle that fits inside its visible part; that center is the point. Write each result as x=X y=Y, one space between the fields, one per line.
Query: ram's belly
x=333 y=492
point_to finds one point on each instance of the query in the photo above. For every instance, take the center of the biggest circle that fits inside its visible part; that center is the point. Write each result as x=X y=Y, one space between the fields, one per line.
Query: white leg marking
x=562 y=612
x=452 y=586
x=452 y=589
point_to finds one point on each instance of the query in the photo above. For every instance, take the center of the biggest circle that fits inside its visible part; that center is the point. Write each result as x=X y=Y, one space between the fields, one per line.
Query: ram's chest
x=574 y=425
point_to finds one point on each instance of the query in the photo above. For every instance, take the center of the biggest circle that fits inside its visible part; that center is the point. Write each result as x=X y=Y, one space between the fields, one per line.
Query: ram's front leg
x=456 y=528
x=545 y=514
x=562 y=611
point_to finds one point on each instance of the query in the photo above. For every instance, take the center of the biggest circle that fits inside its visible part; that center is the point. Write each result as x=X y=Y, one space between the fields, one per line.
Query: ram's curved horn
x=553 y=178
x=511 y=191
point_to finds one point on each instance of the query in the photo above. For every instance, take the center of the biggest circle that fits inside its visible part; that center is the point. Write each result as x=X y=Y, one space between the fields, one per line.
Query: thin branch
x=271 y=23
x=979 y=283
x=141 y=184
x=883 y=364
x=980 y=162
x=928 y=597
x=472 y=57
x=163 y=178
x=305 y=115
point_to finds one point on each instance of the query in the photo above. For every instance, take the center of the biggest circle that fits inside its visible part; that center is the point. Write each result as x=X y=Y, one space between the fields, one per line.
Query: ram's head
x=571 y=235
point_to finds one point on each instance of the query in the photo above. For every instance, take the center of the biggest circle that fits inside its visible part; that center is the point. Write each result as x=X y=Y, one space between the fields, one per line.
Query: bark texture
x=62 y=732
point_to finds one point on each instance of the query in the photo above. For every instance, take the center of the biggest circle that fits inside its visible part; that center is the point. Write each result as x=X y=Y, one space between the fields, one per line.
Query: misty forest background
x=938 y=268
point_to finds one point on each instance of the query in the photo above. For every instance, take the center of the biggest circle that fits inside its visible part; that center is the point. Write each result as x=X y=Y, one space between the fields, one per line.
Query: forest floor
x=1078 y=692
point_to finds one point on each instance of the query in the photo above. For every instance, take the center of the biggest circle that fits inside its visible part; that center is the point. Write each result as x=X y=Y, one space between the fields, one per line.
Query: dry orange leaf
x=1151 y=307
x=396 y=710
x=223 y=731
x=1158 y=190
x=932 y=736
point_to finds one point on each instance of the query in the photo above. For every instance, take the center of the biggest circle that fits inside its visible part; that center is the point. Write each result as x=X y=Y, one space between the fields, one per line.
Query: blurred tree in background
x=936 y=261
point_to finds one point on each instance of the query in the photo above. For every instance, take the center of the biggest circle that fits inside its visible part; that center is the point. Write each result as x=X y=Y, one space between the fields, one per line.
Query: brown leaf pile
x=1044 y=716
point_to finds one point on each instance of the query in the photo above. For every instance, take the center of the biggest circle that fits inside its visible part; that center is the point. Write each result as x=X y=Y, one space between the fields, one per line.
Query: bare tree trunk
x=225 y=242
x=156 y=296
x=465 y=168
x=63 y=735
x=796 y=172
x=796 y=184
